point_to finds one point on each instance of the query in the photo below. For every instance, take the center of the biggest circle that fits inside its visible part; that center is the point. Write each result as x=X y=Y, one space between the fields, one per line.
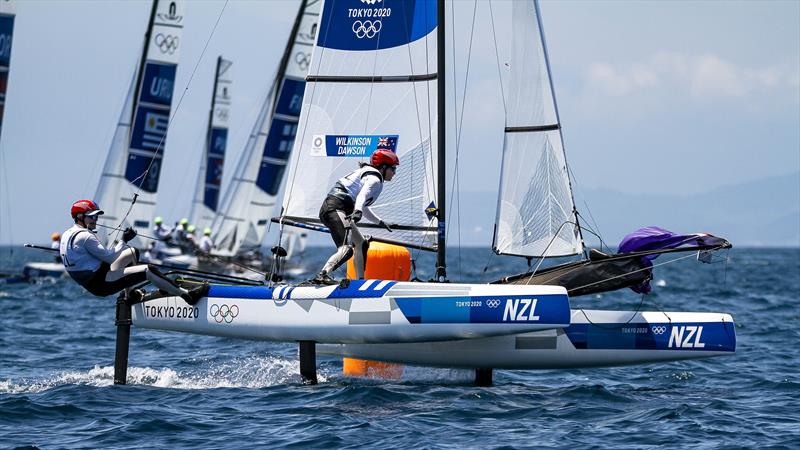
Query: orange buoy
x=384 y=262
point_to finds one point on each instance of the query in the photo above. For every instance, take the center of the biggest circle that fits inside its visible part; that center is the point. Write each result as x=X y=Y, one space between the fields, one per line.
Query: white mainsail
x=133 y=163
x=250 y=200
x=7 y=13
x=535 y=211
x=371 y=84
x=209 y=178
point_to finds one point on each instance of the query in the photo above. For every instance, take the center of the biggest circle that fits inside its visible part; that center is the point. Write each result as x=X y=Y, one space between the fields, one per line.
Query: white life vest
x=74 y=249
x=353 y=183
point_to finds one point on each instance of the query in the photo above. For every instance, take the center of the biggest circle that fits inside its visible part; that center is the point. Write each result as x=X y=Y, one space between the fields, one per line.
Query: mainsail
x=371 y=85
x=209 y=178
x=535 y=210
x=133 y=164
x=7 y=10
x=250 y=200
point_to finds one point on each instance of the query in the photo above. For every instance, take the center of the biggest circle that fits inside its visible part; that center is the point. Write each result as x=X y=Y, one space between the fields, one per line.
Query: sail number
x=686 y=337
x=520 y=309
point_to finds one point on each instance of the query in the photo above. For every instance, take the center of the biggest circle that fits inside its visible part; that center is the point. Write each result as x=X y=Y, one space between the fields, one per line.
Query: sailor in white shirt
x=347 y=202
x=162 y=234
x=104 y=271
x=206 y=244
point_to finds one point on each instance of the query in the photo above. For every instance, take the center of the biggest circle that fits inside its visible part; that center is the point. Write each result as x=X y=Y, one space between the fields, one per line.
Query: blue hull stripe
x=692 y=336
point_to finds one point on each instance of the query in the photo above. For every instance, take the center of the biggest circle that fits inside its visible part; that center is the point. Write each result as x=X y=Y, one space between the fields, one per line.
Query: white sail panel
x=250 y=200
x=133 y=164
x=535 y=215
x=372 y=84
x=209 y=179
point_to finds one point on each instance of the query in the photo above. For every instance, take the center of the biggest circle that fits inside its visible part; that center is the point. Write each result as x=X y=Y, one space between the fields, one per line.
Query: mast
x=441 y=263
x=143 y=59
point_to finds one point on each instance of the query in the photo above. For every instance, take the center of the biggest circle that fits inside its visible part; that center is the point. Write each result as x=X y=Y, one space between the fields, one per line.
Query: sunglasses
x=394 y=168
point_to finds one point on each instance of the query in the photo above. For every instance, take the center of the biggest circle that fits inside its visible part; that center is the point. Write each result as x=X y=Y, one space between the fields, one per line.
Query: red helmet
x=85 y=207
x=384 y=157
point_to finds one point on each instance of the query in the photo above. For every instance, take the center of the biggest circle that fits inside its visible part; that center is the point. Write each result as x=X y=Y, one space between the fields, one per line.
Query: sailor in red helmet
x=104 y=271
x=347 y=202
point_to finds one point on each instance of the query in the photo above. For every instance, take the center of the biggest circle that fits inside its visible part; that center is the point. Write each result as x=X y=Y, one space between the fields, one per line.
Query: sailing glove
x=388 y=226
x=128 y=234
x=356 y=216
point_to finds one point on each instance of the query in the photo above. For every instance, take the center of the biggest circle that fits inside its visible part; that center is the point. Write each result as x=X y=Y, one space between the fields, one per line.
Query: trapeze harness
x=88 y=262
x=354 y=192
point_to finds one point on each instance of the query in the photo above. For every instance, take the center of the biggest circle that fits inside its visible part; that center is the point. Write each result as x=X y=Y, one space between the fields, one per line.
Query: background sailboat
x=133 y=165
x=209 y=179
x=249 y=202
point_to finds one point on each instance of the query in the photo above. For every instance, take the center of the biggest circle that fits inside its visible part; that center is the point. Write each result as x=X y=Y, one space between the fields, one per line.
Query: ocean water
x=186 y=391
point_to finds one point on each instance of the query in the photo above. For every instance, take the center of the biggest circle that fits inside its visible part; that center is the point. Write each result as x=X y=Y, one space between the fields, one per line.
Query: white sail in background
x=7 y=12
x=209 y=178
x=134 y=160
x=372 y=84
x=250 y=200
x=535 y=211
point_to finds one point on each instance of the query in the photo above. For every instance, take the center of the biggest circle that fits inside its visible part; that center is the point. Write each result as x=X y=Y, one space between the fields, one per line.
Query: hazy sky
x=654 y=97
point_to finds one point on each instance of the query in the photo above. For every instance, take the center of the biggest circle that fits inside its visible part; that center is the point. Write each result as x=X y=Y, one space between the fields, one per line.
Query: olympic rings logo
x=492 y=303
x=659 y=329
x=366 y=29
x=370 y=2
x=166 y=43
x=224 y=313
x=303 y=60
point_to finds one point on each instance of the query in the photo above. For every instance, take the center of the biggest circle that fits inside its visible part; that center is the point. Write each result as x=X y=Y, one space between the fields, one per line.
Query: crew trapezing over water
x=347 y=202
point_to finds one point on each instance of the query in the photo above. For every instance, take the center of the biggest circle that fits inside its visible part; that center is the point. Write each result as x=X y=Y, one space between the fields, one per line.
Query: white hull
x=44 y=269
x=612 y=338
x=368 y=311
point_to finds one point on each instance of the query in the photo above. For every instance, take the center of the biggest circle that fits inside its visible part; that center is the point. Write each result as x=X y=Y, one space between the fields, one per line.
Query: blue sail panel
x=276 y=154
x=6 y=36
x=359 y=25
x=280 y=139
x=214 y=165
x=150 y=123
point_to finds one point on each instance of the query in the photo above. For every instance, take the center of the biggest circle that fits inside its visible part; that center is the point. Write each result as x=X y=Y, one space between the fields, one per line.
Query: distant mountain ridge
x=763 y=212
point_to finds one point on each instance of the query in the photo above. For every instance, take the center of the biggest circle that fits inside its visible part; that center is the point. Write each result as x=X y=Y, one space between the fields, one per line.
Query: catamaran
x=377 y=77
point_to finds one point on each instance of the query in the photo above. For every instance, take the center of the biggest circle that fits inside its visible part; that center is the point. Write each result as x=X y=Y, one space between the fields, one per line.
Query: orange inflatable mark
x=384 y=262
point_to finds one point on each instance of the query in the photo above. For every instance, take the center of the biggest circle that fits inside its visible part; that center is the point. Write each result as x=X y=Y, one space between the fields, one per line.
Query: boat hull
x=594 y=339
x=367 y=311
x=43 y=269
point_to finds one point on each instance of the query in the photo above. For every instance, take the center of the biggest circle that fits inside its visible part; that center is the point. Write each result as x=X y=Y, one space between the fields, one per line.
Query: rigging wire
x=456 y=191
x=497 y=57
x=616 y=327
x=143 y=176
